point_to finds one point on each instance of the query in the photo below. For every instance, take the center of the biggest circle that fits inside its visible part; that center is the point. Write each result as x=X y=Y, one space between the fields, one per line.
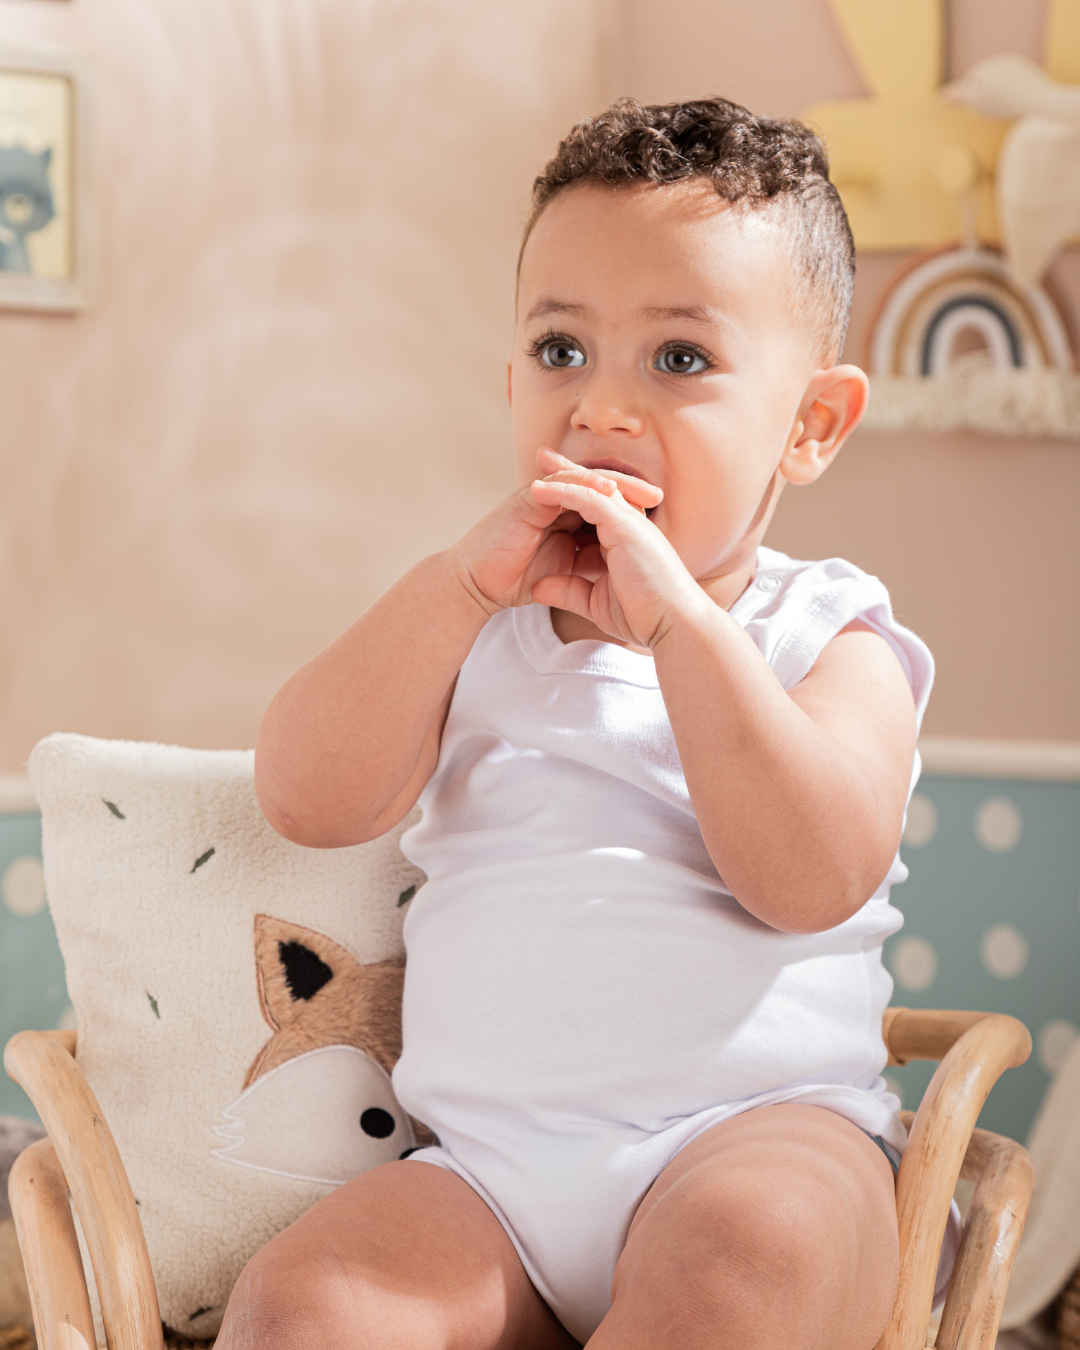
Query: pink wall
x=977 y=537
x=291 y=385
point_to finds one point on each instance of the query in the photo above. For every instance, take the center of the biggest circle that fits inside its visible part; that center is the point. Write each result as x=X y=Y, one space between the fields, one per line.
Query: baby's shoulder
x=794 y=607
x=786 y=591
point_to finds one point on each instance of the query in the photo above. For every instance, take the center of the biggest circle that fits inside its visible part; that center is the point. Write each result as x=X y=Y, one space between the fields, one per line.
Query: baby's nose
x=604 y=410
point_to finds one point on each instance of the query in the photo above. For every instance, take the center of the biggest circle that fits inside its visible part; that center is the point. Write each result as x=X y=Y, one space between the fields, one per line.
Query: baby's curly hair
x=762 y=163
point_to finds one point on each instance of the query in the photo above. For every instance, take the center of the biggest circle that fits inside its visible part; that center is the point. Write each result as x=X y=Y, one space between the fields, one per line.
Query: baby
x=663 y=773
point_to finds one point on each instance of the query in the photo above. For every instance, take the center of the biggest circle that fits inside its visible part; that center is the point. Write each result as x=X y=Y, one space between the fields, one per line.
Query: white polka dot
x=921 y=824
x=1056 y=1043
x=893 y=1085
x=914 y=964
x=24 y=886
x=67 y=1020
x=1004 y=951
x=998 y=825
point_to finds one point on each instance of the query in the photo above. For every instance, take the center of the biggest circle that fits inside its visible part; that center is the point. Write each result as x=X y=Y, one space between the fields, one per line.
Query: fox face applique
x=317 y=1104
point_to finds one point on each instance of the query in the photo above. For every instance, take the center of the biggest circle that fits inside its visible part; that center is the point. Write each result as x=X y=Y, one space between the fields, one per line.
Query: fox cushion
x=238 y=999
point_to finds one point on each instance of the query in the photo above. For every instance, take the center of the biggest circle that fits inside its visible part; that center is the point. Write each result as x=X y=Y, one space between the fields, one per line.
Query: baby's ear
x=831 y=409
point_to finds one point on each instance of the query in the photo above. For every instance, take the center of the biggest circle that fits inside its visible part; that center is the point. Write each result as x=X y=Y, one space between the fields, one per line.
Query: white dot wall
x=999 y=824
x=22 y=886
x=32 y=988
x=921 y=823
x=914 y=964
x=992 y=921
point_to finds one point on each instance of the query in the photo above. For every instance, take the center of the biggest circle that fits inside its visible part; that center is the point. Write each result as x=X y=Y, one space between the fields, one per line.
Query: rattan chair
x=78 y=1167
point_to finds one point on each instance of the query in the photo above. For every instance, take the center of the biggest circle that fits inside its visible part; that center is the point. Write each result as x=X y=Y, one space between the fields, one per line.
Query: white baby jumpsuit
x=583 y=995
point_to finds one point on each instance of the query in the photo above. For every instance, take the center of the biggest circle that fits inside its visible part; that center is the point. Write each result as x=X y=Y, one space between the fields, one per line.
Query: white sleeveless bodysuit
x=583 y=995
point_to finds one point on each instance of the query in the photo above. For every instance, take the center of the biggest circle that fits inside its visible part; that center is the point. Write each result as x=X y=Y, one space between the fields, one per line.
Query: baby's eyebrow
x=543 y=308
x=695 y=313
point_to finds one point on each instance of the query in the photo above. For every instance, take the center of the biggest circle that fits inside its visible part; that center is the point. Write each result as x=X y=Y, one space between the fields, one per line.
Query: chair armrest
x=925 y=1033
x=38 y=1192
x=87 y=1153
x=1005 y=1179
x=930 y=1167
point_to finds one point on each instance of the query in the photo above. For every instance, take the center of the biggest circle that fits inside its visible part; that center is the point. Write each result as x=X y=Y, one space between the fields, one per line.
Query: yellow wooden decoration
x=896 y=156
x=897 y=44
x=1063 y=41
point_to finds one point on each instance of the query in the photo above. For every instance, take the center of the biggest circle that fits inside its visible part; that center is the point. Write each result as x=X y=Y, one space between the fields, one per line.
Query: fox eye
x=559 y=353
x=682 y=360
x=378 y=1123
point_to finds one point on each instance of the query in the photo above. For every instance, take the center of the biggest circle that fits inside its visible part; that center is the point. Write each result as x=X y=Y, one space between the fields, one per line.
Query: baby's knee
x=794 y=1236
x=292 y=1302
x=753 y=1230
x=762 y=1254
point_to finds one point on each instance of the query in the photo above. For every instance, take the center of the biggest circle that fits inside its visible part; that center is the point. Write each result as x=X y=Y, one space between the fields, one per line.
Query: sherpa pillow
x=238 y=999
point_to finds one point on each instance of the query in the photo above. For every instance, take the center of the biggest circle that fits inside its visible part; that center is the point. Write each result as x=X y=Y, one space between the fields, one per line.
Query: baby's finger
x=607 y=485
x=589 y=562
x=568 y=523
x=598 y=505
x=564 y=592
x=635 y=490
x=550 y=461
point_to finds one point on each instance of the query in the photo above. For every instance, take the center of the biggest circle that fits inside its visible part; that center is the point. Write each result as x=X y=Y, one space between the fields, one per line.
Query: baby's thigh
x=406 y=1255
x=777 y=1227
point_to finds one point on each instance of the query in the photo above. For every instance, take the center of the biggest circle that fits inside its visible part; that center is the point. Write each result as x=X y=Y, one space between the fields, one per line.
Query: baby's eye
x=682 y=361
x=560 y=354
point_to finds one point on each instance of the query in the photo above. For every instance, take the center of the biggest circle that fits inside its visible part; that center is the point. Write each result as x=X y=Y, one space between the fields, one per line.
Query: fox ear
x=292 y=964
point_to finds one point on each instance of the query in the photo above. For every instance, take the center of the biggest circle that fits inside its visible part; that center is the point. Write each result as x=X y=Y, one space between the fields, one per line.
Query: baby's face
x=657 y=335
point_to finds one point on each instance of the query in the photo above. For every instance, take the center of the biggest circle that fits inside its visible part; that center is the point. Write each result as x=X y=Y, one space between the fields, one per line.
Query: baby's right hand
x=506 y=553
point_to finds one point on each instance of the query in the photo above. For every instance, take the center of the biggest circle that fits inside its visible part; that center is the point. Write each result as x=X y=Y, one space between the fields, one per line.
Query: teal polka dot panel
x=32 y=989
x=992 y=921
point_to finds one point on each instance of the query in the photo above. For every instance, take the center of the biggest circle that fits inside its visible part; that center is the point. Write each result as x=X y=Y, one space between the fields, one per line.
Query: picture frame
x=46 y=232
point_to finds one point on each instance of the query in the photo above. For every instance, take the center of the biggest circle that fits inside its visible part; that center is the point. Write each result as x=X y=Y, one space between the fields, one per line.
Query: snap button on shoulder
x=768 y=583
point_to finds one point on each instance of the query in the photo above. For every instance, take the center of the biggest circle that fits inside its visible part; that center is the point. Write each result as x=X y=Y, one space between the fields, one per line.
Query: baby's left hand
x=631 y=581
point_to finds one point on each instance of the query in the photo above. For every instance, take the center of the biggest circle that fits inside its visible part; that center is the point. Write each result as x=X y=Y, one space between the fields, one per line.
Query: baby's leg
x=404 y=1257
x=775 y=1228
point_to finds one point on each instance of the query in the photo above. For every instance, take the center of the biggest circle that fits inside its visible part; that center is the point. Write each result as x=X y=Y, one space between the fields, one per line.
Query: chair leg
x=54 y=1270
x=988 y=1248
x=101 y=1193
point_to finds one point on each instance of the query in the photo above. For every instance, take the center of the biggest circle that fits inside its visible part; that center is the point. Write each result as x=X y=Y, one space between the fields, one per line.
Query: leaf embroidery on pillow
x=203 y=858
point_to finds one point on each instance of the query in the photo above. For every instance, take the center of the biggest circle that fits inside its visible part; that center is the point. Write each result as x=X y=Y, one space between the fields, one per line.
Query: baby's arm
x=799 y=795
x=349 y=742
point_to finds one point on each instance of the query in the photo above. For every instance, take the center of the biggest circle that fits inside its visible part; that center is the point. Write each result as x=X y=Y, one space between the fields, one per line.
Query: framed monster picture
x=45 y=255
